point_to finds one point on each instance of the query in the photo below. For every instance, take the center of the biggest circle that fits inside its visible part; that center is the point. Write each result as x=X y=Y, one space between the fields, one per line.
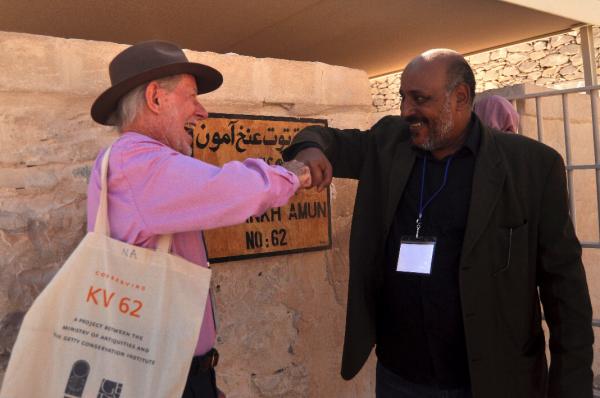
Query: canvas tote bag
x=116 y=321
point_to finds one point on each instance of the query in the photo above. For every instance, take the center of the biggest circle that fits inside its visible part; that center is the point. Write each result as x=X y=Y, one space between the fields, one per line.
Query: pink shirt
x=154 y=190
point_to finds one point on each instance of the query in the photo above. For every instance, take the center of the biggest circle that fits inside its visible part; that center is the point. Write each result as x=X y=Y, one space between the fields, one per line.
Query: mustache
x=415 y=119
x=189 y=128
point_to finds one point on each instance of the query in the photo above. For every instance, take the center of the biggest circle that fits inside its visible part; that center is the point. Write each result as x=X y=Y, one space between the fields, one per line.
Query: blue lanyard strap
x=422 y=206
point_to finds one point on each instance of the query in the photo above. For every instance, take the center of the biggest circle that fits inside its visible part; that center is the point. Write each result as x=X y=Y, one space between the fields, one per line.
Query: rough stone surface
x=498 y=54
x=554 y=60
x=281 y=318
x=546 y=61
x=520 y=48
x=515 y=58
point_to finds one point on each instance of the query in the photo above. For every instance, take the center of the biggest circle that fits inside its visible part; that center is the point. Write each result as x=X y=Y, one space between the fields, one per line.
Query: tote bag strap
x=102 y=225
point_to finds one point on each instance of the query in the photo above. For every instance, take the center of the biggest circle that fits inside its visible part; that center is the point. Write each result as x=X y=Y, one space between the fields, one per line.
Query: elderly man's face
x=180 y=108
x=427 y=106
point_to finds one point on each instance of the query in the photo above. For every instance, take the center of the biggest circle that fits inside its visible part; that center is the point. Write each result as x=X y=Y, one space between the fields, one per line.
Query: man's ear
x=152 y=97
x=463 y=96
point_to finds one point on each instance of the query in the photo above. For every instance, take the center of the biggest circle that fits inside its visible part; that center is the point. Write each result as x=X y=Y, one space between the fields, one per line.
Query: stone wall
x=553 y=62
x=281 y=318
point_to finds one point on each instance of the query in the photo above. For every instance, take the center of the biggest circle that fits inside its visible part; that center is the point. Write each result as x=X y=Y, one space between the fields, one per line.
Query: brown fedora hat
x=144 y=62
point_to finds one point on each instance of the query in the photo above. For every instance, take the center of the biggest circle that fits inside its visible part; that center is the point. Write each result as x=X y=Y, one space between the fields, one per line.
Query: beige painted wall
x=281 y=318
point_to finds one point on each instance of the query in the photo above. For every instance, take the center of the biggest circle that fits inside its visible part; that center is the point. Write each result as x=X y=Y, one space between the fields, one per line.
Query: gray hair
x=131 y=103
x=459 y=71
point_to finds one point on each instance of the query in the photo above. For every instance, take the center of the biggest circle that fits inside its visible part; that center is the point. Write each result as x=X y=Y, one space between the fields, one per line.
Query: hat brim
x=207 y=79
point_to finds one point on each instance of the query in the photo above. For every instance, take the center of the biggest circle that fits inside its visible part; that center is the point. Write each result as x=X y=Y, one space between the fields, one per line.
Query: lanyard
x=422 y=206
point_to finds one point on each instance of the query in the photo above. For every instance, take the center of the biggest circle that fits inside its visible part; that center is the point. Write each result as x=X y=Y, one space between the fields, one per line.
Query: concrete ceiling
x=379 y=36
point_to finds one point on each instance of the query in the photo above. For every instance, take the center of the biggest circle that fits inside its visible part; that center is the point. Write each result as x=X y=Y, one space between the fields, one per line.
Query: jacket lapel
x=488 y=181
x=401 y=166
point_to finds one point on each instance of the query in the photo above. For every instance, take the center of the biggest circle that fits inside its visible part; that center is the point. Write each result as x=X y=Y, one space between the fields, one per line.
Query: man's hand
x=321 y=171
x=301 y=171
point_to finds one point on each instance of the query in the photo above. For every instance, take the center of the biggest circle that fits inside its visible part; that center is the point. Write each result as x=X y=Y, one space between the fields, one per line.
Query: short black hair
x=459 y=71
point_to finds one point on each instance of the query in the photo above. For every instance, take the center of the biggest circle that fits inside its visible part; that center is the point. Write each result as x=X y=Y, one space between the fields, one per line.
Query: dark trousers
x=201 y=384
x=390 y=385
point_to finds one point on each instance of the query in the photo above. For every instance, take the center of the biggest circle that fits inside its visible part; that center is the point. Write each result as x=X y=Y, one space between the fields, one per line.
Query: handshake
x=312 y=168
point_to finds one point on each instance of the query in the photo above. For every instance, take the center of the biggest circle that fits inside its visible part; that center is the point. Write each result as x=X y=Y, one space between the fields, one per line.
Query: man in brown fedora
x=156 y=188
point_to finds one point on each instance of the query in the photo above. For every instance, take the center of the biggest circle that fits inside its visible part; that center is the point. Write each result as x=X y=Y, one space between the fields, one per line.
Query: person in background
x=156 y=188
x=498 y=113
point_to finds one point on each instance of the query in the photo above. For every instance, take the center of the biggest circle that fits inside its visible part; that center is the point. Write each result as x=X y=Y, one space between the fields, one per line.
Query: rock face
x=281 y=318
x=553 y=62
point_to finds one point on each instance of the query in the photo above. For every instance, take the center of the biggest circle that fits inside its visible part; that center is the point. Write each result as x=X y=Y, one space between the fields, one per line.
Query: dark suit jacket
x=519 y=238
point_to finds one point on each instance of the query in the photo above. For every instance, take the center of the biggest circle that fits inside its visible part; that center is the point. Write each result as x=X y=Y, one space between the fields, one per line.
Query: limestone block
x=495 y=64
x=84 y=65
x=568 y=70
x=504 y=79
x=534 y=75
x=478 y=59
x=550 y=72
x=535 y=55
x=554 y=60
x=355 y=85
x=49 y=128
x=54 y=65
x=510 y=71
x=36 y=66
x=561 y=40
x=520 y=48
x=515 y=58
x=527 y=66
x=540 y=45
x=499 y=54
x=288 y=82
x=577 y=60
x=570 y=49
x=241 y=77
x=491 y=75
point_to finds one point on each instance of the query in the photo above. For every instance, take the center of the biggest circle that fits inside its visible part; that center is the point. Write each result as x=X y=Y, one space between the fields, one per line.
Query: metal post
x=569 y=160
x=588 y=53
x=540 y=118
x=596 y=133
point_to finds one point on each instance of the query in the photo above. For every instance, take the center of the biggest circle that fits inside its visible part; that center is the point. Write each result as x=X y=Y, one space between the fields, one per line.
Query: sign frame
x=326 y=246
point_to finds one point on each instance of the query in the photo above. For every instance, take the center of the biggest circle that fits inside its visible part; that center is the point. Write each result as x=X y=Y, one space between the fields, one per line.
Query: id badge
x=416 y=255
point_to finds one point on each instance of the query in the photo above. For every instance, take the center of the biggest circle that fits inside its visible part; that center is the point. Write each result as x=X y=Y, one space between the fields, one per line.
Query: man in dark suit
x=458 y=232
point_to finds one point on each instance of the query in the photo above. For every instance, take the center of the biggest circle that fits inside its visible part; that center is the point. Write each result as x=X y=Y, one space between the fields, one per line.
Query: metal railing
x=592 y=92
